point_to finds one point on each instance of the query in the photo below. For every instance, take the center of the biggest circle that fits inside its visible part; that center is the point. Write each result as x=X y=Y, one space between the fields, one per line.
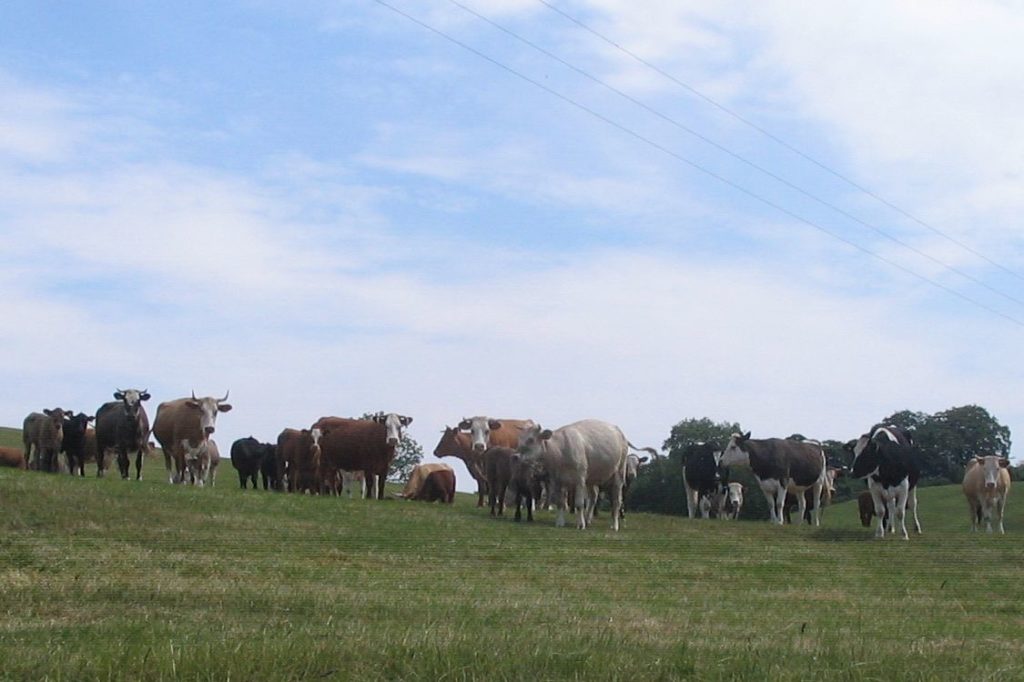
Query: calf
x=986 y=486
x=43 y=434
x=730 y=501
x=248 y=456
x=73 y=444
x=210 y=476
x=781 y=465
x=498 y=466
x=13 y=458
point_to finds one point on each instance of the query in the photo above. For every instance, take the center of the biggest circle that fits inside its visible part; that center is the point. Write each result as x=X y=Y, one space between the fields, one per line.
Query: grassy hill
x=10 y=437
x=103 y=578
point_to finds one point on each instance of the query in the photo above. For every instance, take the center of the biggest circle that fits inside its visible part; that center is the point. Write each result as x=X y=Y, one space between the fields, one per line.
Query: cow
x=579 y=457
x=43 y=433
x=247 y=457
x=73 y=444
x=455 y=443
x=13 y=458
x=986 y=486
x=418 y=476
x=301 y=451
x=526 y=480
x=485 y=432
x=183 y=427
x=123 y=426
x=633 y=464
x=498 y=465
x=779 y=465
x=700 y=476
x=730 y=501
x=439 y=486
x=366 y=445
x=885 y=456
x=273 y=470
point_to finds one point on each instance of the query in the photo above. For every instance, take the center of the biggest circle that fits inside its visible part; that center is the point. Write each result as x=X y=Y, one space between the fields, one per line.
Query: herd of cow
x=567 y=467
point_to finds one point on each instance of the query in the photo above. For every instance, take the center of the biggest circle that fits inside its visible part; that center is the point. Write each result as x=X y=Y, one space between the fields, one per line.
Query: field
x=108 y=579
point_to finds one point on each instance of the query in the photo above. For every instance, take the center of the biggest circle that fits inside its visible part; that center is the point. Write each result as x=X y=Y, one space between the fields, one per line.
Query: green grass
x=111 y=579
x=10 y=438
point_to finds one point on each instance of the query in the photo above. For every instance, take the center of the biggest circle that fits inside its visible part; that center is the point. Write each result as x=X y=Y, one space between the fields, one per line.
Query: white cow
x=986 y=485
x=730 y=501
x=578 y=458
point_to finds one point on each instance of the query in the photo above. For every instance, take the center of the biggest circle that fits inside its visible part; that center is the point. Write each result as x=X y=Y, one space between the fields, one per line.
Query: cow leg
x=1000 y=508
x=899 y=504
x=381 y=478
x=880 y=510
x=691 y=499
x=769 y=496
x=580 y=505
x=559 y=500
x=138 y=463
x=817 y=498
x=616 y=495
x=123 y=463
x=101 y=456
x=801 y=507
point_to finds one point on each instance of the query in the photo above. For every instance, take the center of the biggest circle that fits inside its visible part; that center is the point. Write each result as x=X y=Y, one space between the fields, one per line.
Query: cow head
x=75 y=424
x=633 y=464
x=453 y=442
x=131 y=399
x=393 y=425
x=734 y=452
x=208 y=409
x=990 y=467
x=732 y=499
x=479 y=429
x=532 y=440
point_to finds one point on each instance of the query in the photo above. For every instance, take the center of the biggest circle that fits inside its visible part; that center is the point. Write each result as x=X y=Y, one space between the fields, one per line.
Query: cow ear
x=545 y=434
x=745 y=436
x=1004 y=462
x=464 y=425
x=405 y=420
x=144 y=395
x=48 y=413
x=643 y=459
x=118 y=395
x=192 y=402
x=979 y=459
x=90 y=419
x=494 y=424
x=224 y=407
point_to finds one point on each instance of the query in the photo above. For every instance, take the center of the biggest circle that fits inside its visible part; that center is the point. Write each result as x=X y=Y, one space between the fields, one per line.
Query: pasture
x=112 y=579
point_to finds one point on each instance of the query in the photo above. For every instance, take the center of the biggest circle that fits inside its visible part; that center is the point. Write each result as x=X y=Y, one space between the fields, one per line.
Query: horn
x=194 y=394
x=225 y=396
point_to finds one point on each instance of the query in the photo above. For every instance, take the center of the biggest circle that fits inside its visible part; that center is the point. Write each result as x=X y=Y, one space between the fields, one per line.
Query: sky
x=798 y=216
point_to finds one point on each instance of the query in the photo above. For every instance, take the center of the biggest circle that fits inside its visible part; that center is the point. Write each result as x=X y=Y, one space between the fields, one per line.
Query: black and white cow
x=123 y=426
x=780 y=464
x=700 y=477
x=886 y=457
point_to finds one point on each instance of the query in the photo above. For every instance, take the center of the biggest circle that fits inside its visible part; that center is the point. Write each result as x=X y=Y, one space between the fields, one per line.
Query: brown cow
x=498 y=464
x=366 y=445
x=454 y=443
x=44 y=433
x=300 y=450
x=12 y=457
x=418 y=477
x=439 y=486
x=183 y=427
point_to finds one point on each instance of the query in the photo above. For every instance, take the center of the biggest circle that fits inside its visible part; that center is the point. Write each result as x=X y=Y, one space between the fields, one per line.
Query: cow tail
x=654 y=453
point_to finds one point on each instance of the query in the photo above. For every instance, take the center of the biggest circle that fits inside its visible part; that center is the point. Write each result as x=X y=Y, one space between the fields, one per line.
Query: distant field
x=103 y=578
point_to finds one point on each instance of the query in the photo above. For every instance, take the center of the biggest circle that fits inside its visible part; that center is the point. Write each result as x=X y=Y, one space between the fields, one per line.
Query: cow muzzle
x=478 y=447
x=209 y=430
x=990 y=485
x=392 y=441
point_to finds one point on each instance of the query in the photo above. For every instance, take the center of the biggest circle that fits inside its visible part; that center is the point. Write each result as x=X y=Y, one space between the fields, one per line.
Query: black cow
x=73 y=443
x=248 y=456
x=781 y=464
x=273 y=470
x=700 y=474
x=526 y=481
x=887 y=458
x=122 y=425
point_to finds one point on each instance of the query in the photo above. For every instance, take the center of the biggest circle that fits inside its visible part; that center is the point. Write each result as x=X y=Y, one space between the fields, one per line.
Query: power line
x=735 y=155
x=721 y=107
x=695 y=165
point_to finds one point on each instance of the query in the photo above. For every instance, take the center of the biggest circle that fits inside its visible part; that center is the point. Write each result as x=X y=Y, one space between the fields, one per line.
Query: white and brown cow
x=730 y=501
x=780 y=464
x=577 y=458
x=986 y=485
x=183 y=428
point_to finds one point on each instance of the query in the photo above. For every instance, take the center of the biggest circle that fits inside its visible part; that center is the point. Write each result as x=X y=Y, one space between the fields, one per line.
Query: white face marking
x=393 y=426
x=733 y=454
x=479 y=433
x=990 y=469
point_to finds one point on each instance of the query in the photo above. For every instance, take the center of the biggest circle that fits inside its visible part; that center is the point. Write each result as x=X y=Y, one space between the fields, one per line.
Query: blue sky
x=328 y=209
